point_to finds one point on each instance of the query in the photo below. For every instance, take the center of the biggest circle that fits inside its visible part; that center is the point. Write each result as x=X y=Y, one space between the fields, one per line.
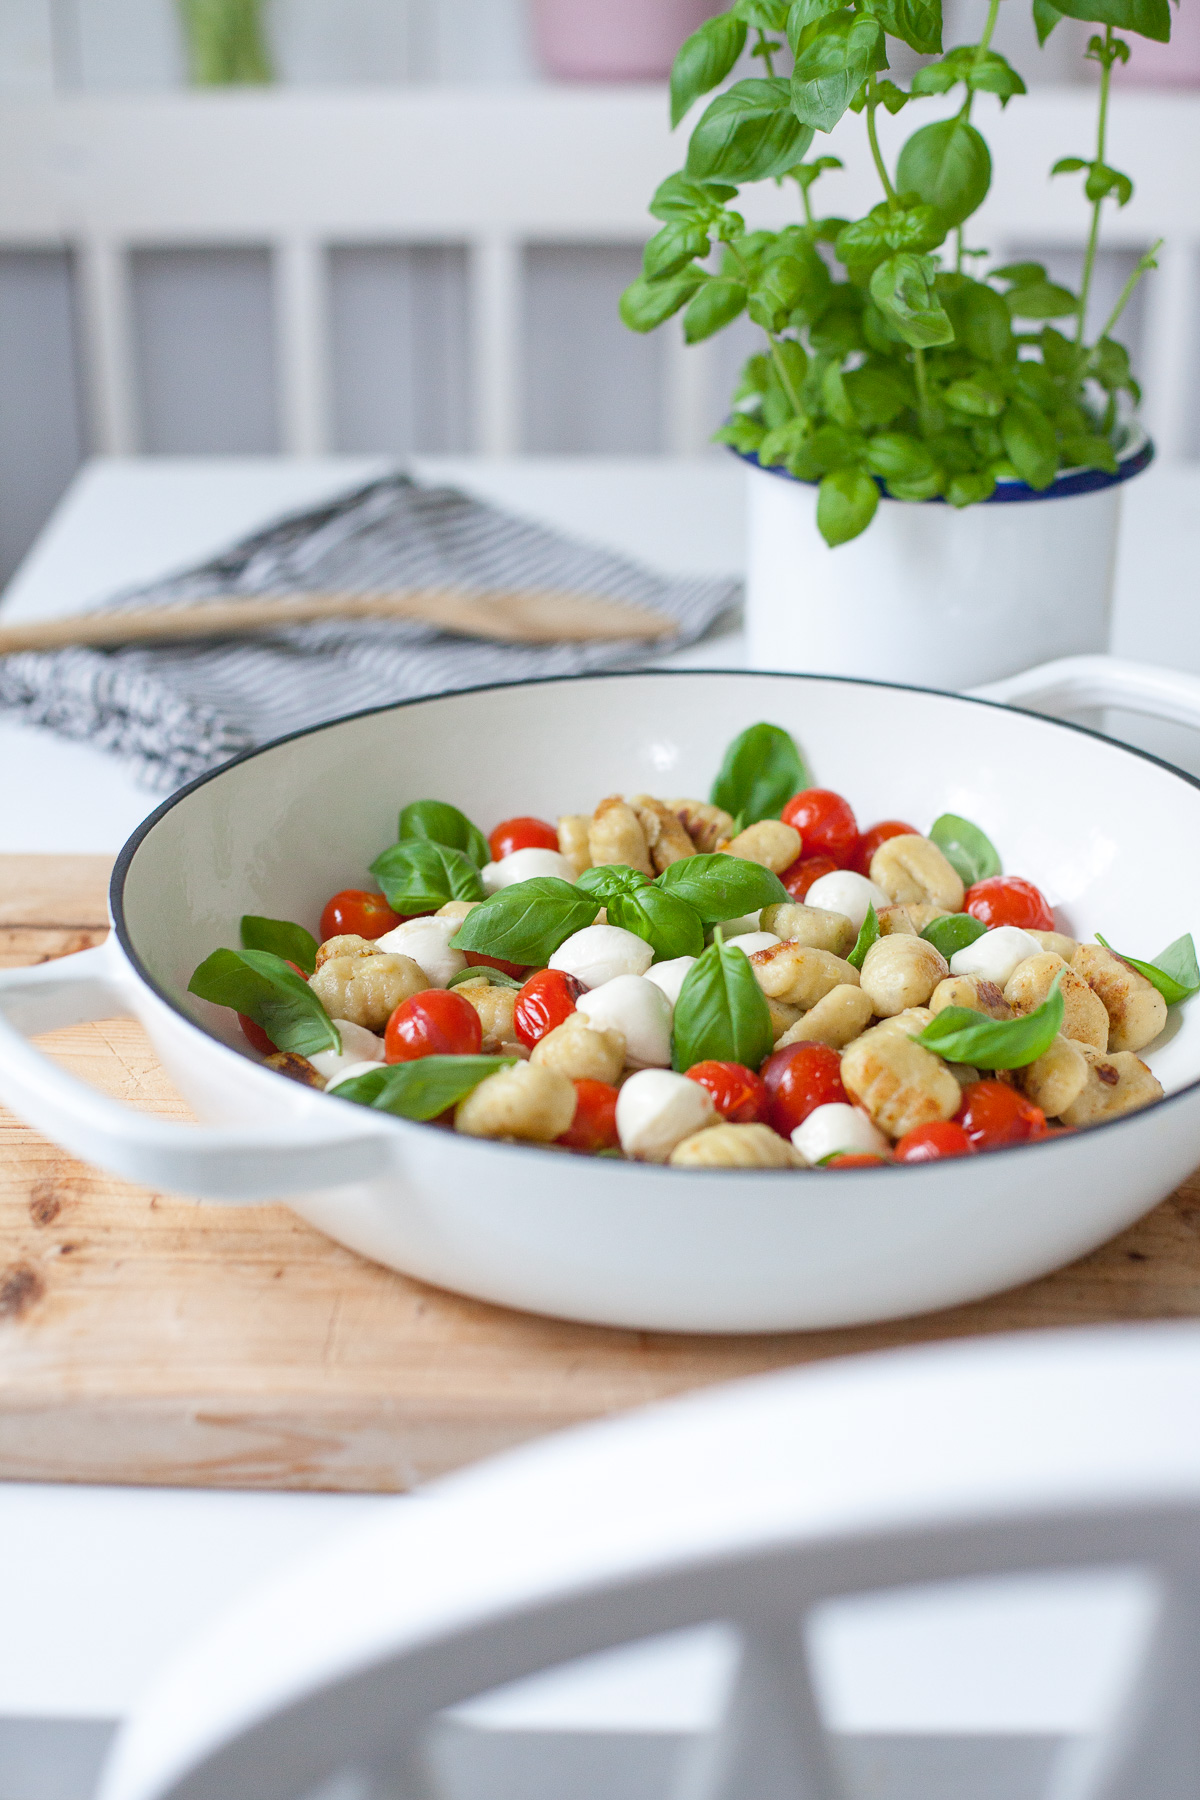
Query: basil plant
x=895 y=359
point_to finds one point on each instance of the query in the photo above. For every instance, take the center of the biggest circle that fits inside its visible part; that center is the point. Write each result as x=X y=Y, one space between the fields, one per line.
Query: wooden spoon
x=530 y=616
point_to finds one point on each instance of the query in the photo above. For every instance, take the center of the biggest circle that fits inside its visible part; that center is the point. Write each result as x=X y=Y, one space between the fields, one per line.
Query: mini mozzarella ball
x=842 y=891
x=829 y=1129
x=360 y=1048
x=523 y=865
x=347 y=1074
x=599 y=953
x=655 y=1111
x=427 y=941
x=995 y=955
x=640 y=1010
x=750 y=941
x=670 y=976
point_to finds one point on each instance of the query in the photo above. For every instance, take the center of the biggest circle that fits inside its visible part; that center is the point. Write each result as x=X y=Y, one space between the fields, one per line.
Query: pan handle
x=1074 y=682
x=270 y=1161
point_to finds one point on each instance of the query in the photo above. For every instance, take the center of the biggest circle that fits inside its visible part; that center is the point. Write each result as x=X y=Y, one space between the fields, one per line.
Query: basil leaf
x=867 y=936
x=917 y=22
x=970 y=853
x=716 y=305
x=1030 y=443
x=1174 y=973
x=261 y=985
x=761 y=771
x=1152 y=18
x=609 y=880
x=482 y=972
x=949 y=166
x=444 y=824
x=420 y=1089
x=668 y=924
x=964 y=1036
x=525 y=923
x=281 y=938
x=846 y=503
x=749 y=132
x=704 y=60
x=646 y=304
x=831 y=68
x=721 y=1013
x=719 y=887
x=903 y=289
x=418 y=876
x=953 y=933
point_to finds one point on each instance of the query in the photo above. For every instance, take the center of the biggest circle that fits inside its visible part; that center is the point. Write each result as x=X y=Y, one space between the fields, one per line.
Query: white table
x=105 y=1583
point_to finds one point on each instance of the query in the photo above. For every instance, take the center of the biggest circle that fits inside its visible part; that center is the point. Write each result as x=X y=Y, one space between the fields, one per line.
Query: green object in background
x=226 y=43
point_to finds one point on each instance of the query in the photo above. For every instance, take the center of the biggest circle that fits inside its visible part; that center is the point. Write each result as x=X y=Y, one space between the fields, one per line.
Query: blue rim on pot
x=1136 y=453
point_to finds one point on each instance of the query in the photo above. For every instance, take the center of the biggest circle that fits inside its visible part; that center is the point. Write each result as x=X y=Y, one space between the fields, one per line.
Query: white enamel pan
x=1112 y=837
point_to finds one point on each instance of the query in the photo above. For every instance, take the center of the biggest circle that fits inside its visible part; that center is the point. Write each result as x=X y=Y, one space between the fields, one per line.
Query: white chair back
x=500 y=170
x=752 y=1504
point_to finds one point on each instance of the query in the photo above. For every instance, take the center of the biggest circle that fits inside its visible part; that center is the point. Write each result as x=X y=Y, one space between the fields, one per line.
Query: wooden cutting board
x=147 y=1339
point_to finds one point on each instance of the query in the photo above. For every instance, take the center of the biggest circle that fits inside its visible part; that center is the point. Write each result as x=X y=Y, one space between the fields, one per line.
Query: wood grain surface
x=151 y=1340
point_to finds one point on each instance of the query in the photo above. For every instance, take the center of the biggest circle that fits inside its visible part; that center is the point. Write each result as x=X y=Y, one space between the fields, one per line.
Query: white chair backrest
x=751 y=1504
x=499 y=169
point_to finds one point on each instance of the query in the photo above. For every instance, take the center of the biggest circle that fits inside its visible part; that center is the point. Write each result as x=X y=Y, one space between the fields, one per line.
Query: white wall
x=399 y=316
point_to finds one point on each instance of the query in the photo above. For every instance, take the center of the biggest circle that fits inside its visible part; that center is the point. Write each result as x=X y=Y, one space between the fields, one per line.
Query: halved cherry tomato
x=826 y=823
x=798 y=1080
x=253 y=1033
x=522 y=834
x=799 y=876
x=993 y=1114
x=518 y=971
x=870 y=841
x=931 y=1143
x=739 y=1095
x=594 y=1126
x=1009 y=900
x=438 y=1022
x=855 y=1159
x=357 y=912
x=545 y=1001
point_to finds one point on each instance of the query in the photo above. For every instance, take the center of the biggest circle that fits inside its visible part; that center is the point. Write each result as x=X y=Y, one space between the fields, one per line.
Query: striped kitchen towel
x=176 y=711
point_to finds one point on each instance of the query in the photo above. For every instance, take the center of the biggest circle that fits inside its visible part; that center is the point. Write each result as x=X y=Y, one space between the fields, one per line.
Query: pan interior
x=1110 y=836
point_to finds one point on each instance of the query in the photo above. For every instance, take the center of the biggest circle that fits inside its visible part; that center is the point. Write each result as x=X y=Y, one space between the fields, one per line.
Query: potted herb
x=905 y=396
x=226 y=42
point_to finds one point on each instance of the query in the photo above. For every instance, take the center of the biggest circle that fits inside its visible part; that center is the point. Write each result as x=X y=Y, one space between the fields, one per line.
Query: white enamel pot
x=1111 y=835
x=930 y=593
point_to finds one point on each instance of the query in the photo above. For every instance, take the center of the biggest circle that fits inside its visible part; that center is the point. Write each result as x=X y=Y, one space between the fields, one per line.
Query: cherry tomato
x=518 y=971
x=355 y=911
x=739 y=1095
x=594 y=1126
x=799 y=876
x=855 y=1159
x=870 y=841
x=254 y=1034
x=826 y=823
x=545 y=1001
x=1008 y=900
x=522 y=834
x=438 y=1022
x=799 y=1079
x=992 y=1114
x=931 y=1143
